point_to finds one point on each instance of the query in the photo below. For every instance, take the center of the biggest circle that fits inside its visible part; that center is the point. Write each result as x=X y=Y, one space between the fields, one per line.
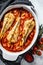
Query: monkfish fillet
x=8 y=20
x=13 y=34
x=28 y=27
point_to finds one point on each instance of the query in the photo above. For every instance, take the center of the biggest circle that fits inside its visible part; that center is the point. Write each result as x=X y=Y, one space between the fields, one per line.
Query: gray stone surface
x=38 y=60
x=1 y=63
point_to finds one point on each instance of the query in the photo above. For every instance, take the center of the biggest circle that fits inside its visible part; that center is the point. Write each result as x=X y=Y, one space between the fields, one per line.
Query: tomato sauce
x=15 y=47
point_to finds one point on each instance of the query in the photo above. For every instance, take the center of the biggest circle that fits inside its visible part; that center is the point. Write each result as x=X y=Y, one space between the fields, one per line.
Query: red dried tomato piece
x=35 y=48
x=39 y=53
x=28 y=57
x=40 y=42
x=42 y=39
x=42 y=49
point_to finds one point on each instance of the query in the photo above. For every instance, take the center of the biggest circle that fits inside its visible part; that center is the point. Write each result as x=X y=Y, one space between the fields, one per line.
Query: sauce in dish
x=18 y=29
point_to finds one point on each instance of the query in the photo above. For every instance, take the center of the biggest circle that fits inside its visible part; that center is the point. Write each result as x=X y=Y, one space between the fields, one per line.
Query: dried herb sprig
x=40 y=31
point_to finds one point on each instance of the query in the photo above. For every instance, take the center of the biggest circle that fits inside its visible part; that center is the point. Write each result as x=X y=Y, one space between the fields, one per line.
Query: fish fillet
x=28 y=27
x=13 y=34
x=8 y=20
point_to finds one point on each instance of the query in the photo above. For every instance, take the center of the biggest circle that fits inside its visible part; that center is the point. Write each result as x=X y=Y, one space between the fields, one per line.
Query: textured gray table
x=38 y=60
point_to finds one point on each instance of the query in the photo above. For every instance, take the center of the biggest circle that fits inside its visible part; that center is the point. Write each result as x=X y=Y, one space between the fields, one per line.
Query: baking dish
x=12 y=56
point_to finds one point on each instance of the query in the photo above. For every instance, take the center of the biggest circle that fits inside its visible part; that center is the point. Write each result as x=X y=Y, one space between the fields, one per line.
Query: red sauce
x=15 y=47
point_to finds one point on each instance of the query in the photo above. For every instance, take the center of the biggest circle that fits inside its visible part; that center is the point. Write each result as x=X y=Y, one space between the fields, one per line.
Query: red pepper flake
x=28 y=57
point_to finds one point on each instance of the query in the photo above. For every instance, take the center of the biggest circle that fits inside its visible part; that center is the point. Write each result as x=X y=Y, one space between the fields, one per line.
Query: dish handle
x=9 y=57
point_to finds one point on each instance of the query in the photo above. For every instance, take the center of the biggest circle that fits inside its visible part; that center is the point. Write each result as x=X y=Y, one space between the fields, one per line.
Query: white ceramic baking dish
x=12 y=56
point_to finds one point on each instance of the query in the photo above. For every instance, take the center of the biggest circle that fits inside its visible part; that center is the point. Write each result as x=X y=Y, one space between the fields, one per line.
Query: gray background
x=38 y=60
